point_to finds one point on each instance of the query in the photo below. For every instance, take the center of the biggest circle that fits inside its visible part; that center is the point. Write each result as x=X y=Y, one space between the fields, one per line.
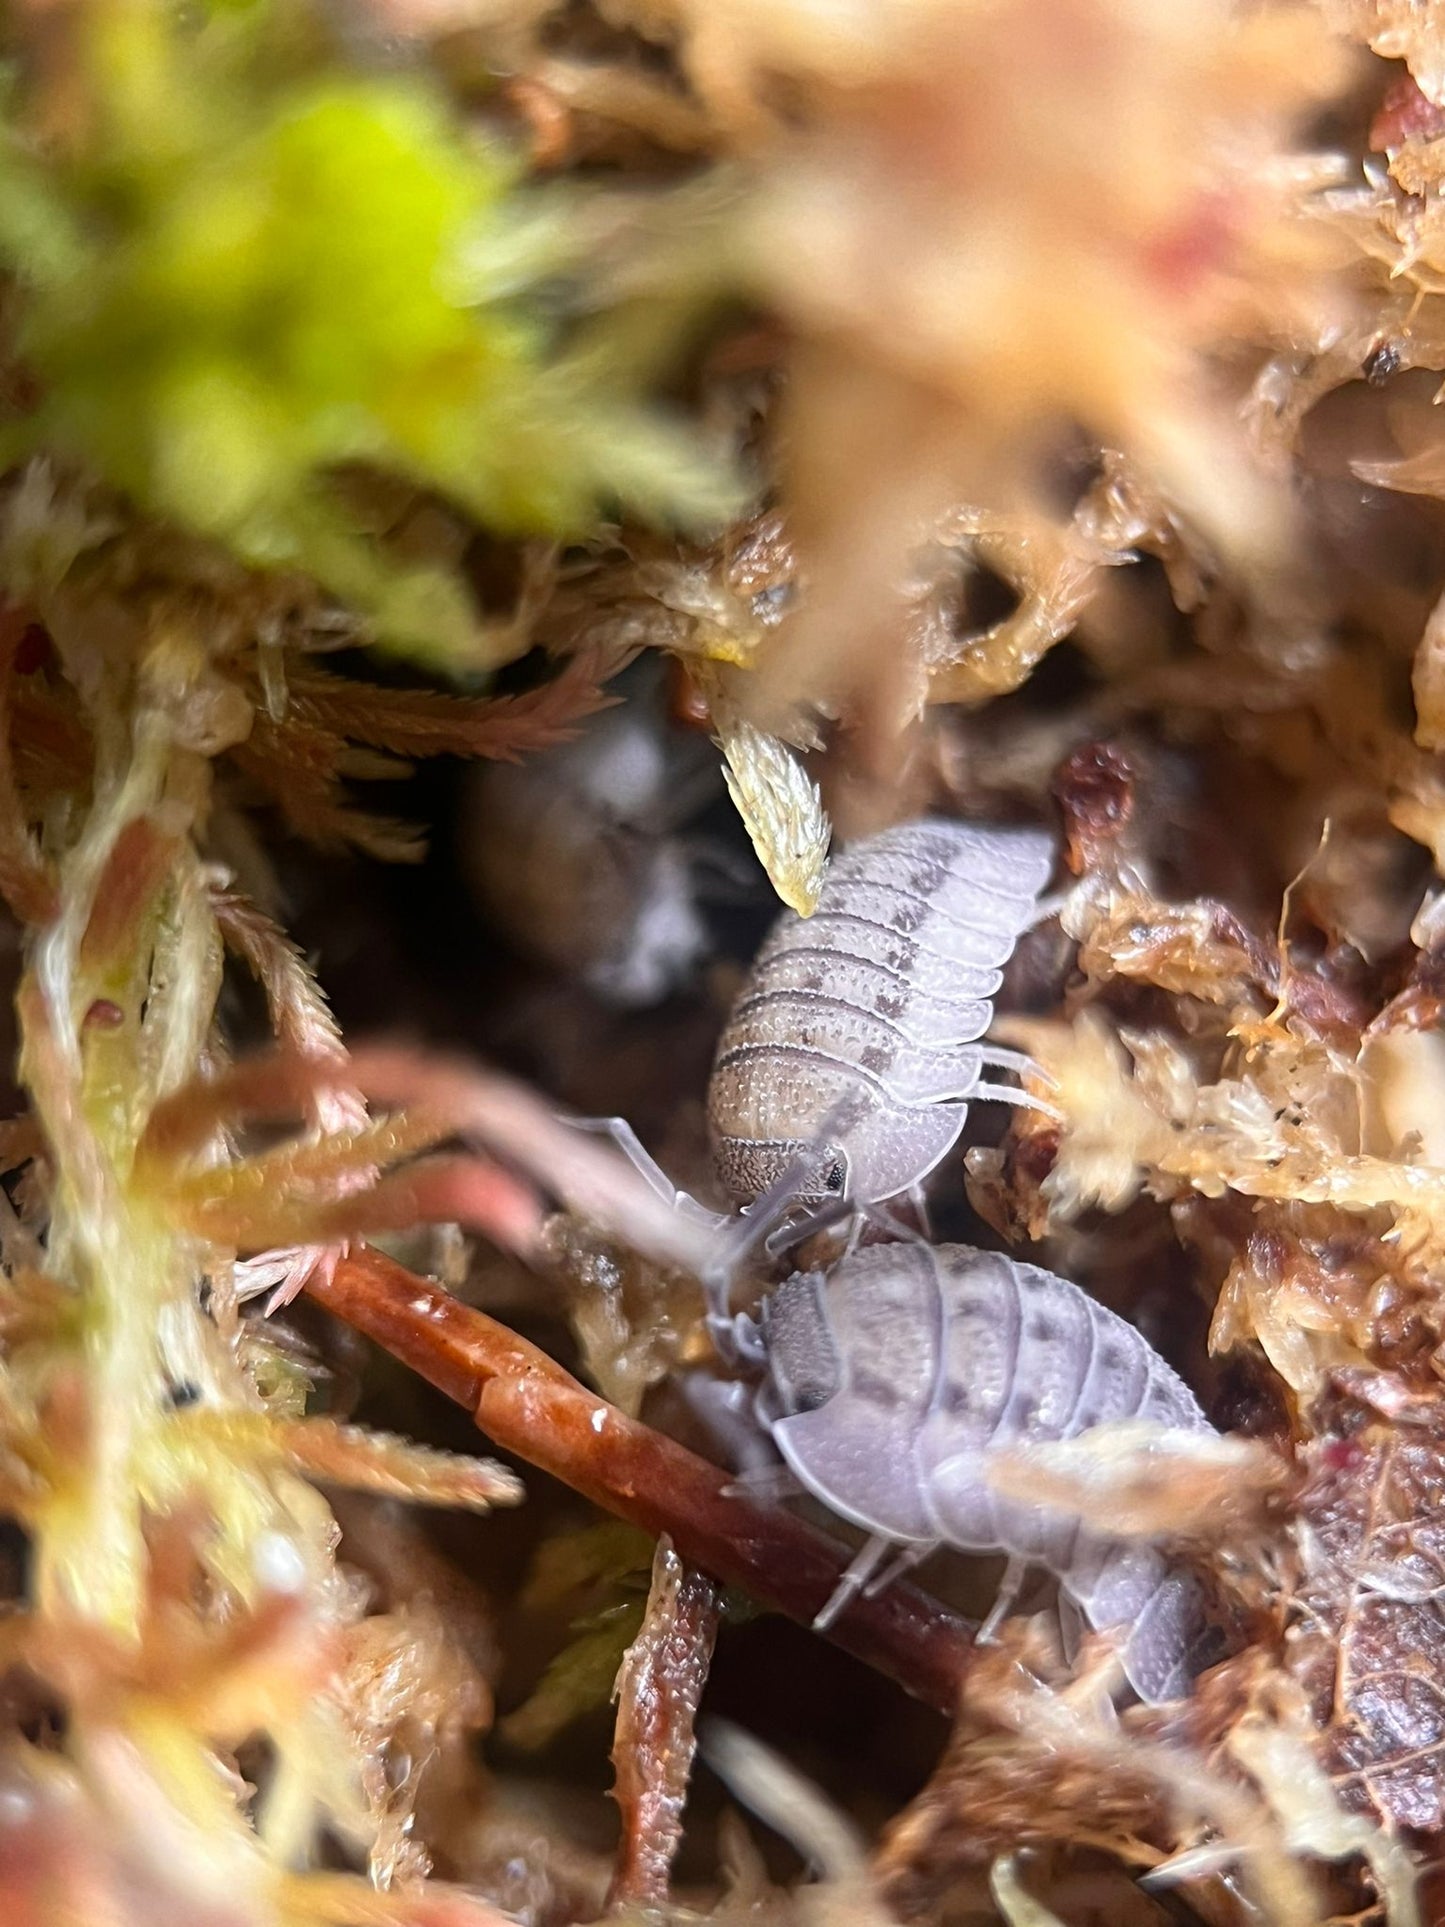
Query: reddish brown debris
x=687 y=702
x=140 y=861
x=1370 y=1643
x=546 y=117
x=26 y=882
x=1095 y=791
x=997 y=1788
x=429 y=722
x=658 y=1692
x=1419 y=1004
x=1405 y=114
x=1348 y=1272
x=528 y=1405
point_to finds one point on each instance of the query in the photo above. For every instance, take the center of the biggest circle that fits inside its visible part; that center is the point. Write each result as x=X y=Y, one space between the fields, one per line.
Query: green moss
x=237 y=279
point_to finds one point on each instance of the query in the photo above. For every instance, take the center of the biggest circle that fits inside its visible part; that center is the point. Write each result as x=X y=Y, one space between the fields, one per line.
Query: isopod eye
x=835 y=1177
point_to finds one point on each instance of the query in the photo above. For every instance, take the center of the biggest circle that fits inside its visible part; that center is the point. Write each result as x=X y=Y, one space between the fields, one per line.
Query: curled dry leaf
x=1030 y=1764
x=1369 y=1644
x=414 y=1703
x=658 y=1691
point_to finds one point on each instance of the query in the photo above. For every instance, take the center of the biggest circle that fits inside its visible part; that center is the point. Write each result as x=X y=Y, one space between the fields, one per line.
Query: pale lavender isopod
x=889 y=1381
x=853 y=1052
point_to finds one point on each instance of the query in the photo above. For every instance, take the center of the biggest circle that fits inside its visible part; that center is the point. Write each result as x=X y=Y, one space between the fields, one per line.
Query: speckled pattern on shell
x=893 y=1377
x=863 y=1021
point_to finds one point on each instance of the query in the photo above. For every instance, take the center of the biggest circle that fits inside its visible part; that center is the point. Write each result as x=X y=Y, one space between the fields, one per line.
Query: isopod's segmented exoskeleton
x=854 y=1049
x=890 y=1379
x=576 y=854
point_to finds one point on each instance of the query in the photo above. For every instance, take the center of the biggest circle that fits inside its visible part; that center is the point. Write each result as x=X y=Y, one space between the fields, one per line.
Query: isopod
x=576 y=857
x=890 y=1379
x=853 y=1052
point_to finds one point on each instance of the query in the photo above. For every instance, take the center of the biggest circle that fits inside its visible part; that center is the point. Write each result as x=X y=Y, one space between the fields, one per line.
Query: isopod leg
x=1000 y=1058
x=633 y=1149
x=882 y=1219
x=918 y=1198
x=904 y=1561
x=647 y=1166
x=1046 y=907
x=799 y=1230
x=765 y=1223
x=1014 y=1574
x=1025 y=1100
x=858 y=1224
x=770 y=1484
x=1072 y=1628
x=854 y=1580
x=724 y=1408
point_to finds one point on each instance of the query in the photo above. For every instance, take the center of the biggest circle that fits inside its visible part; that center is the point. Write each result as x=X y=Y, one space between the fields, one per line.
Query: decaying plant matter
x=1022 y=410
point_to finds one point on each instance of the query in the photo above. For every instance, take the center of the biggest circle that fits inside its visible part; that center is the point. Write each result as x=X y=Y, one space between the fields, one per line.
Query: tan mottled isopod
x=891 y=1378
x=575 y=853
x=853 y=1052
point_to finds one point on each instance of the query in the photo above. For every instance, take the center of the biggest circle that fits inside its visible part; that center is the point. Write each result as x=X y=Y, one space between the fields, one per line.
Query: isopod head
x=804 y=1370
x=750 y=1168
x=865 y=1146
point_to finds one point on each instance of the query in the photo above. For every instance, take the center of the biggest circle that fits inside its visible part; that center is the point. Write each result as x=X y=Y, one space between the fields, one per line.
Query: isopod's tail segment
x=1171 y=1642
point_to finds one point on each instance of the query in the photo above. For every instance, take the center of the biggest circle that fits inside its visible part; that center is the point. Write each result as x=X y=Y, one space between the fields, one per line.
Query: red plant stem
x=526 y=1404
